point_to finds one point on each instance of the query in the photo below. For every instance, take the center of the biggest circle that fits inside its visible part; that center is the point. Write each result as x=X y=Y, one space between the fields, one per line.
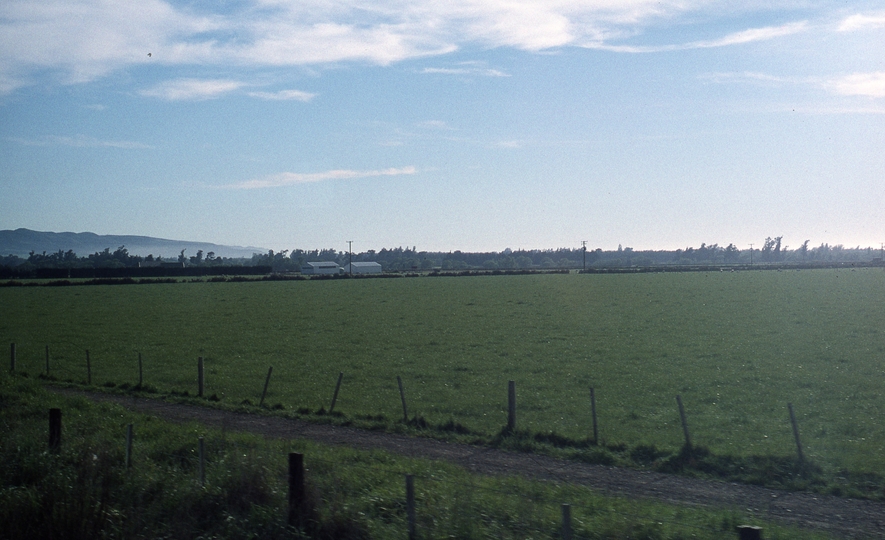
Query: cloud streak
x=80 y=141
x=84 y=40
x=290 y=178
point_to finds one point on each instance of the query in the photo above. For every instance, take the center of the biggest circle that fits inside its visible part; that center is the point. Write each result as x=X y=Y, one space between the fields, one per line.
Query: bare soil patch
x=841 y=517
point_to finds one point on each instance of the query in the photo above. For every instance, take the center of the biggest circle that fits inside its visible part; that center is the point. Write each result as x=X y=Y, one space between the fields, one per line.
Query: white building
x=363 y=268
x=325 y=267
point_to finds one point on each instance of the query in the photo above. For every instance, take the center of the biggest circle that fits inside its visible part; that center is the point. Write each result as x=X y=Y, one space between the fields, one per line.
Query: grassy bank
x=86 y=491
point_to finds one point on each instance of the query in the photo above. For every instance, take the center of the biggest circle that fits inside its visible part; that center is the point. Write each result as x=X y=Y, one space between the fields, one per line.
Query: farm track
x=840 y=517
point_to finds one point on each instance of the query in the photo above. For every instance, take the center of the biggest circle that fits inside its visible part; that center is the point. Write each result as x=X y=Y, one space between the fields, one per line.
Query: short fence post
x=402 y=397
x=410 y=505
x=566 y=522
x=335 y=395
x=511 y=406
x=47 y=360
x=684 y=423
x=54 y=430
x=12 y=357
x=129 y=446
x=593 y=411
x=140 y=372
x=796 y=433
x=88 y=369
x=266 y=382
x=296 y=489
x=202 y=462
x=748 y=532
x=200 y=376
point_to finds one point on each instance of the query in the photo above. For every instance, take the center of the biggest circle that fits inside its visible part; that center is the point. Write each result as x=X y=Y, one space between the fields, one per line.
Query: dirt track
x=845 y=518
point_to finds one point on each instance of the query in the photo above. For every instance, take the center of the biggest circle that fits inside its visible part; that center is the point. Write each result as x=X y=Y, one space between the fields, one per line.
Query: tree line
x=407 y=259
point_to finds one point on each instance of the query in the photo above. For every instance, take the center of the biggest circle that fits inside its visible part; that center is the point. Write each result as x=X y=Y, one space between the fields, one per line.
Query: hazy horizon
x=471 y=126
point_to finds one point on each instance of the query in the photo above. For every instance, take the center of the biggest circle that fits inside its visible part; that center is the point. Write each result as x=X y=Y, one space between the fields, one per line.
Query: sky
x=473 y=125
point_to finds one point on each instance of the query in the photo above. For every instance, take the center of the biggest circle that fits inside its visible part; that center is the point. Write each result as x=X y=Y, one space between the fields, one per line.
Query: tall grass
x=737 y=346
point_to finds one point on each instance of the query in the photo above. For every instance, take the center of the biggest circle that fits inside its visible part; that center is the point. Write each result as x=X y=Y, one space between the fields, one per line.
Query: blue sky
x=474 y=125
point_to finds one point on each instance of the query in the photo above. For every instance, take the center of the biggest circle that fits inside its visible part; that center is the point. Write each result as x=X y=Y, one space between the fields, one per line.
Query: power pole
x=350 y=251
x=584 y=247
x=751 y=254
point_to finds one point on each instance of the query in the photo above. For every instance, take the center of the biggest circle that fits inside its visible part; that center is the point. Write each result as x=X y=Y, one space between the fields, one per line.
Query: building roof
x=321 y=264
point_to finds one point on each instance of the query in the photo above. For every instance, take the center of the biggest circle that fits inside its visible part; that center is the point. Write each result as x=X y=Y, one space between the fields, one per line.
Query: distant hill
x=21 y=242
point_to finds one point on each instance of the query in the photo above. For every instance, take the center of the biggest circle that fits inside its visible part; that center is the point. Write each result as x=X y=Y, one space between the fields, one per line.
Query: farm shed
x=363 y=268
x=325 y=267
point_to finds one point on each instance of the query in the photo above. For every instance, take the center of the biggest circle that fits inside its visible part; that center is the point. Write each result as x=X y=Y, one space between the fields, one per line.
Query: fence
x=510 y=426
x=429 y=505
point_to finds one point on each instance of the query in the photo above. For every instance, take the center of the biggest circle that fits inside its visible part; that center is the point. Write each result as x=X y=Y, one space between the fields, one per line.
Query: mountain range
x=21 y=242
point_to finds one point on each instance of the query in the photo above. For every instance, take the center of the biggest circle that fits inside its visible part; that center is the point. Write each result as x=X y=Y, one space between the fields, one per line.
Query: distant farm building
x=315 y=268
x=362 y=268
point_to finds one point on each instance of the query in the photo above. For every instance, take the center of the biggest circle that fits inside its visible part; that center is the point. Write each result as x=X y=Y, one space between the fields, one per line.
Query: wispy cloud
x=290 y=178
x=79 y=141
x=860 y=84
x=737 y=38
x=466 y=71
x=83 y=40
x=192 y=89
x=863 y=21
x=284 y=95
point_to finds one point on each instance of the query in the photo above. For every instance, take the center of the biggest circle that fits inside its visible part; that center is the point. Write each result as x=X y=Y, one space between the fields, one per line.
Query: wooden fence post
x=47 y=360
x=796 y=433
x=12 y=357
x=511 y=406
x=202 y=462
x=266 y=382
x=129 y=446
x=200 y=376
x=140 y=372
x=566 y=522
x=402 y=397
x=748 y=532
x=296 y=489
x=335 y=395
x=593 y=411
x=410 y=505
x=684 y=422
x=54 y=430
x=88 y=369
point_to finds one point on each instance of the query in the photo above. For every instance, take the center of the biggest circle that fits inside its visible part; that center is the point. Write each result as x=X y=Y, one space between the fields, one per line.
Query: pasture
x=737 y=347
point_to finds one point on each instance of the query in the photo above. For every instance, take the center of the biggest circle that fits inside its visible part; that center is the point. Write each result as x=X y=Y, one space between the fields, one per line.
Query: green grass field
x=737 y=346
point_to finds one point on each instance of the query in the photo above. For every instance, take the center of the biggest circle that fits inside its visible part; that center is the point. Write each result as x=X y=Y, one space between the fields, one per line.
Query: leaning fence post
x=410 y=505
x=796 y=433
x=684 y=422
x=129 y=446
x=88 y=369
x=296 y=489
x=12 y=357
x=266 y=382
x=335 y=395
x=200 y=376
x=402 y=397
x=54 y=430
x=566 y=522
x=511 y=406
x=593 y=411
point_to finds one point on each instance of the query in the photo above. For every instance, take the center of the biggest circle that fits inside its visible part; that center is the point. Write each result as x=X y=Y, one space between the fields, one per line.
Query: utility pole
x=751 y=254
x=584 y=247
x=350 y=250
